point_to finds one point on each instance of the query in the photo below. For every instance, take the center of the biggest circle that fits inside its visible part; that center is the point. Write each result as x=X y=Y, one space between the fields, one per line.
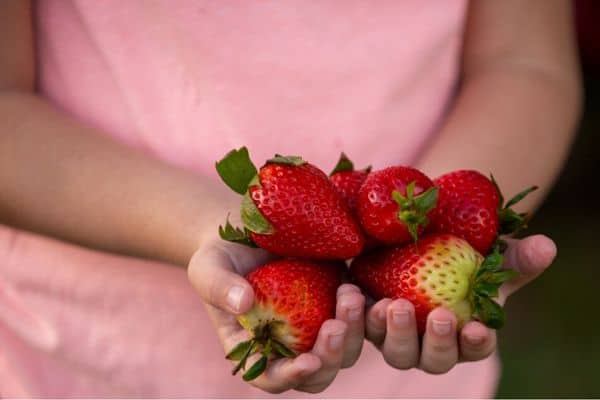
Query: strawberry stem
x=263 y=339
x=511 y=222
x=413 y=209
x=289 y=160
x=488 y=279
x=235 y=235
x=343 y=164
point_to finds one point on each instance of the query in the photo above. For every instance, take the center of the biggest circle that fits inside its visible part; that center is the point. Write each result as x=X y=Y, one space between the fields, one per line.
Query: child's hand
x=391 y=325
x=216 y=271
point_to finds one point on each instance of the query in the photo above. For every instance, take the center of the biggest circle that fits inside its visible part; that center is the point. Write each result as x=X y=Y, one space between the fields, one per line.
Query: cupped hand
x=391 y=325
x=216 y=271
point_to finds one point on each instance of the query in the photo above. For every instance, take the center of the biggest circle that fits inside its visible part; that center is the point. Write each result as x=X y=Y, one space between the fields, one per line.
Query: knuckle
x=375 y=337
x=314 y=388
x=267 y=387
x=399 y=361
x=441 y=347
x=437 y=371
x=349 y=361
x=437 y=368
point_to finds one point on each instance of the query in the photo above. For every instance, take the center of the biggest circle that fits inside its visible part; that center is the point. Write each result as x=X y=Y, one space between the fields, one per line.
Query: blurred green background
x=550 y=345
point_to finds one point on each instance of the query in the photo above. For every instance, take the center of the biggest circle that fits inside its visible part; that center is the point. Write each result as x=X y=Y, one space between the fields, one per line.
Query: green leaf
x=254 y=345
x=410 y=190
x=510 y=221
x=289 y=160
x=489 y=312
x=282 y=350
x=486 y=289
x=256 y=369
x=343 y=164
x=520 y=196
x=499 y=277
x=253 y=220
x=500 y=195
x=238 y=352
x=427 y=200
x=413 y=229
x=235 y=235
x=398 y=198
x=491 y=263
x=236 y=170
x=367 y=169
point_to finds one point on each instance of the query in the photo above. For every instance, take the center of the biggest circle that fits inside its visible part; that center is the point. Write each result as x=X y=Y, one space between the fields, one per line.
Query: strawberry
x=348 y=181
x=290 y=208
x=393 y=204
x=440 y=270
x=470 y=207
x=293 y=298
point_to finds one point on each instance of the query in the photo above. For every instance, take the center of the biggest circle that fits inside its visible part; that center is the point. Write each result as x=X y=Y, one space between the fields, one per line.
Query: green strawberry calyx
x=485 y=287
x=413 y=209
x=511 y=221
x=344 y=164
x=240 y=174
x=262 y=342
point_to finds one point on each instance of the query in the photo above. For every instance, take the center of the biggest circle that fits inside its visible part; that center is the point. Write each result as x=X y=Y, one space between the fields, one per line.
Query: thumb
x=530 y=257
x=211 y=272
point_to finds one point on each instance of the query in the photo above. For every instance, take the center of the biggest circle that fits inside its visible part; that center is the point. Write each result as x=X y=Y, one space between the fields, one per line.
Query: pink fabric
x=186 y=81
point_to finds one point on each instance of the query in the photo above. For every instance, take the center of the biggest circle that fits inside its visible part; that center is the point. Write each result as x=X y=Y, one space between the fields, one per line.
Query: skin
x=520 y=85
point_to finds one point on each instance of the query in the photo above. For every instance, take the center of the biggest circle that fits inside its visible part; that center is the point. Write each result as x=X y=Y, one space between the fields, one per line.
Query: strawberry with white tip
x=441 y=270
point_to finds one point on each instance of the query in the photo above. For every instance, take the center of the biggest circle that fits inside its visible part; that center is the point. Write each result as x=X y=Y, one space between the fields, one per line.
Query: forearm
x=64 y=179
x=516 y=123
x=520 y=98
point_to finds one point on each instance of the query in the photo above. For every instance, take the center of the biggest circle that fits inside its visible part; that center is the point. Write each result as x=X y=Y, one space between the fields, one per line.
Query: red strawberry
x=290 y=208
x=393 y=204
x=469 y=206
x=348 y=181
x=292 y=300
x=441 y=270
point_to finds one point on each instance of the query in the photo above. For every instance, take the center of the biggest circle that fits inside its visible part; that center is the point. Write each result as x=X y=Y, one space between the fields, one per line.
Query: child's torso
x=186 y=81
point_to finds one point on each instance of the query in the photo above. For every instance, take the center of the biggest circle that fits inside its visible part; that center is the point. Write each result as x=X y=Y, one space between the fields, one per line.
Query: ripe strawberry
x=469 y=206
x=348 y=181
x=290 y=208
x=393 y=204
x=441 y=270
x=292 y=300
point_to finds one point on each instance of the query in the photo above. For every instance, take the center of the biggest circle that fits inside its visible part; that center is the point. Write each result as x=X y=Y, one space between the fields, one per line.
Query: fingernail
x=442 y=328
x=354 y=313
x=336 y=341
x=475 y=340
x=401 y=318
x=234 y=297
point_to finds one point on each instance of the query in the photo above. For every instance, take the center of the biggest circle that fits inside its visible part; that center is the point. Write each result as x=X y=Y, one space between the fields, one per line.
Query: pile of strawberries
x=434 y=243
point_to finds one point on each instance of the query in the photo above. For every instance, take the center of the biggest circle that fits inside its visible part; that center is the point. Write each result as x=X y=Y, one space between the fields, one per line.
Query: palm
x=220 y=266
x=440 y=352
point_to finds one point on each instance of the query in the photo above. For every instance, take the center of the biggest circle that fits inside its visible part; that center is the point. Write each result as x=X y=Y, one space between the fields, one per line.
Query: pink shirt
x=186 y=81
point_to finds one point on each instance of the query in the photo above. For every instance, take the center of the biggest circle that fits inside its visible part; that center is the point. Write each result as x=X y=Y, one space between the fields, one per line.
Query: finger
x=285 y=374
x=401 y=345
x=476 y=341
x=329 y=347
x=440 y=349
x=530 y=257
x=375 y=325
x=211 y=273
x=351 y=310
